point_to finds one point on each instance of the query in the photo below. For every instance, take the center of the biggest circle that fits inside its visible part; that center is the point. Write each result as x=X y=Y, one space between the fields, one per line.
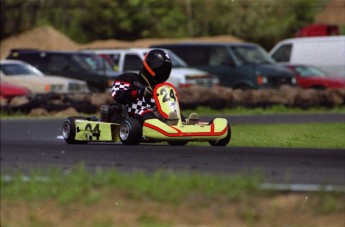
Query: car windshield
x=10 y=69
x=251 y=54
x=309 y=71
x=93 y=62
x=176 y=61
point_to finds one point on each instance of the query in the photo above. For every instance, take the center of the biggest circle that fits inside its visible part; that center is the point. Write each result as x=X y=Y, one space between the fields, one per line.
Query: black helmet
x=157 y=66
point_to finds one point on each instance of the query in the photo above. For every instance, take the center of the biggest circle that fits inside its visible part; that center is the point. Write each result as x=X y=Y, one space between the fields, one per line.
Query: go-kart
x=115 y=125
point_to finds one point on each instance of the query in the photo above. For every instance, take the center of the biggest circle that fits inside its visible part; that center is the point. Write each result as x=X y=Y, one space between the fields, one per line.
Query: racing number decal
x=167 y=97
x=95 y=132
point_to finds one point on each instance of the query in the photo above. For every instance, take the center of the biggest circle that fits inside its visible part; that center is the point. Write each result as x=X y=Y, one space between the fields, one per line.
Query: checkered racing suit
x=125 y=91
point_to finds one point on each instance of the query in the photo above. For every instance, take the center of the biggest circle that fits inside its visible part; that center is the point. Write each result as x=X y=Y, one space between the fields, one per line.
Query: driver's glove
x=145 y=92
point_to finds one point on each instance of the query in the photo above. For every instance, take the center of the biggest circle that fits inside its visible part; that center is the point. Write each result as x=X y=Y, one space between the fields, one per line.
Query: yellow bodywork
x=96 y=131
x=155 y=129
x=166 y=100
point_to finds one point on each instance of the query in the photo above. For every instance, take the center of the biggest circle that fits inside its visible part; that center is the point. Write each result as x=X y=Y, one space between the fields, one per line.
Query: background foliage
x=264 y=21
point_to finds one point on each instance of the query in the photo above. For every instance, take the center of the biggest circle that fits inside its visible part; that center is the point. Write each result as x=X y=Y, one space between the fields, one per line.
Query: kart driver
x=135 y=90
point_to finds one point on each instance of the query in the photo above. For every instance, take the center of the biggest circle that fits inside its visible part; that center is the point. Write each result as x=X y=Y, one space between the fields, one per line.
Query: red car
x=308 y=76
x=318 y=30
x=8 y=90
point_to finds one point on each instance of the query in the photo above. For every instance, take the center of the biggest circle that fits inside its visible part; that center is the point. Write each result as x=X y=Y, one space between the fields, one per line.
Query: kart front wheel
x=69 y=130
x=131 y=132
x=224 y=141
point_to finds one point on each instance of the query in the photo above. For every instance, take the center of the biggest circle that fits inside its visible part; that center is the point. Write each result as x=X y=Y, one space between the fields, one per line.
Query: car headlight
x=293 y=80
x=55 y=87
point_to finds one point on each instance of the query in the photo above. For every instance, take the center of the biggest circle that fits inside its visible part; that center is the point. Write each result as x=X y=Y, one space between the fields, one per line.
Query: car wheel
x=224 y=141
x=177 y=143
x=131 y=132
x=69 y=130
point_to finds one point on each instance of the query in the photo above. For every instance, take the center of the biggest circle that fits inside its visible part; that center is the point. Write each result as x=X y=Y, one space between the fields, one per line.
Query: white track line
x=302 y=187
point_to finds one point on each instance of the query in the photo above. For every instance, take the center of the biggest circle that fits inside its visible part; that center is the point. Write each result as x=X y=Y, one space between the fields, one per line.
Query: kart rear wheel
x=69 y=130
x=177 y=143
x=224 y=141
x=131 y=132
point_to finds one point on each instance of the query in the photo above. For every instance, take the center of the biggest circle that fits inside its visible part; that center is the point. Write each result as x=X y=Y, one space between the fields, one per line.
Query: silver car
x=23 y=74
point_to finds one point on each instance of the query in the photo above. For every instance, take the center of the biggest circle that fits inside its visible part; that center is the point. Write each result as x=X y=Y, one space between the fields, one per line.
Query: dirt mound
x=109 y=43
x=48 y=38
x=224 y=38
x=112 y=43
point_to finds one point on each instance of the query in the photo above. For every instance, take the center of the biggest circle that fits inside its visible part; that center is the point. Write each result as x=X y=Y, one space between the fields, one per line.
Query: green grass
x=313 y=135
x=81 y=186
x=203 y=111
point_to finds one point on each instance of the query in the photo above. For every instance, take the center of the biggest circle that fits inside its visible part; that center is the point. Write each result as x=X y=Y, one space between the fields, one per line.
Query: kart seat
x=172 y=118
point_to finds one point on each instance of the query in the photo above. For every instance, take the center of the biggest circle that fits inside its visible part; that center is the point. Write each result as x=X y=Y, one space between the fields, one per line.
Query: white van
x=326 y=52
x=181 y=75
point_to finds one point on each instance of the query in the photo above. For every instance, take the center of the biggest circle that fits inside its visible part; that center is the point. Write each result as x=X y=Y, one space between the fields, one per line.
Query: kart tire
x=224 y=141
x=177 y=143
x=131 y=132
x=69 y=130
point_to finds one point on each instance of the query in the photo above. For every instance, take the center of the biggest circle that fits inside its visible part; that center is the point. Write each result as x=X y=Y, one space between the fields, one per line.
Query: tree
x=264 y=21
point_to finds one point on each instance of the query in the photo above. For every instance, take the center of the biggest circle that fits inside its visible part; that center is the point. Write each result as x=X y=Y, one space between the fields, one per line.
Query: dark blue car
x=238 y=65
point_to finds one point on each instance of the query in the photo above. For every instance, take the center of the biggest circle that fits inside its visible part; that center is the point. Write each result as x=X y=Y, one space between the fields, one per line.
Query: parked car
x=181 y=75
x=9 y=90
x=25 y=75
x=238 y=65
x=327 y=53
x=313 y=77
x=318 y=30
x=88 y=67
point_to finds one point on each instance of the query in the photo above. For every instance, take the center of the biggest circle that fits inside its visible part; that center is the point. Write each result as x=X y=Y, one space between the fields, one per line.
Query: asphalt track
x=28 y=144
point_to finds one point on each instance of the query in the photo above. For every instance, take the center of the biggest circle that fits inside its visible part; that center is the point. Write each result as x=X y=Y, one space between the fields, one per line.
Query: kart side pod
x=155 y=129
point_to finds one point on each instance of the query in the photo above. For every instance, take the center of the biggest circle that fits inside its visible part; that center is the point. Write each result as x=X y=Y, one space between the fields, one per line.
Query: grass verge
x=79 y=185
x=110 y=198
x=276 y=109
x=311 y=135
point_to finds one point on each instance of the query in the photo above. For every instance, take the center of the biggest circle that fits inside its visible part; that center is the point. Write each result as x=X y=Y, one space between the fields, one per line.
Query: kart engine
x=113 y=113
